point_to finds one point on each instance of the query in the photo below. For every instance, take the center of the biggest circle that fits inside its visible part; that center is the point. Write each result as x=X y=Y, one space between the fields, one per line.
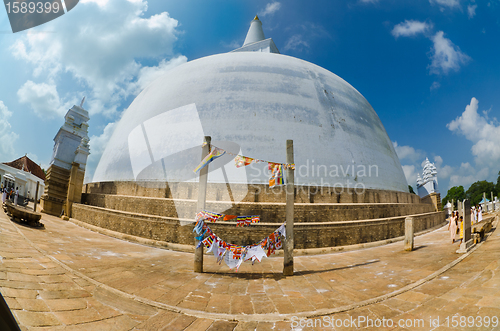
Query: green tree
x=410 y=188
x=475 y=191
x=455 y=193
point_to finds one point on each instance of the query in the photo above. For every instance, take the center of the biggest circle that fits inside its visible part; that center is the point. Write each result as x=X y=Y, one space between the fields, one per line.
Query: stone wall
x=324 y=217
x=269 y=212
x=434 y=199
x=307 y=235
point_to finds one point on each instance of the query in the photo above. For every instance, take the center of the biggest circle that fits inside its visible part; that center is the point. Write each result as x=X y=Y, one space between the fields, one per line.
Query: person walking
x=4 y=194
x=452 y=227
x=461 y=229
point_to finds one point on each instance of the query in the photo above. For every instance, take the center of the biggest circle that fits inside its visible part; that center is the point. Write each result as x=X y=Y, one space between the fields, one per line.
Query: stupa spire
x=255 y=33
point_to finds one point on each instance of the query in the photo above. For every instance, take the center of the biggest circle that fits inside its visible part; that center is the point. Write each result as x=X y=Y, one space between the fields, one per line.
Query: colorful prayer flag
x=276 y=174
x=214 y=154
x=242 y=161
x=247 y=220
x=208 y=215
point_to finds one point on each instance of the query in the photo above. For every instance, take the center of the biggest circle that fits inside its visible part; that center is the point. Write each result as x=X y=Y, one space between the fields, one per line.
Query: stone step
x=250 y=192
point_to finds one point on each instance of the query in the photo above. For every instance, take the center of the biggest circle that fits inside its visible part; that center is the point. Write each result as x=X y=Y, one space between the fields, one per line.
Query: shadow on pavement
x=278 y=276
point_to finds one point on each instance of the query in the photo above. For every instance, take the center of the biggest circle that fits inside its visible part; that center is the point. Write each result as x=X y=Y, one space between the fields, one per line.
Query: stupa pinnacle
x=255 y=33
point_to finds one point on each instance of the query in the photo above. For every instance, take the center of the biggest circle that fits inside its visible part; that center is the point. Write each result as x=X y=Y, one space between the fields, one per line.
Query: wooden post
x=408 y=242
x=202 y=198
x=36 y=196
x=290 y=188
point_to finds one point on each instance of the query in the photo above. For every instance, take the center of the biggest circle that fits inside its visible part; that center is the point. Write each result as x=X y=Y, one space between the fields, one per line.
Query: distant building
x=427 y=185
x=24 y=174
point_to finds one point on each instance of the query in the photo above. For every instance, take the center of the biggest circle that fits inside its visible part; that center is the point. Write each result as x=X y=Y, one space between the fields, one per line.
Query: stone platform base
x=466 y=246
x=307 y=234
x=51 y=206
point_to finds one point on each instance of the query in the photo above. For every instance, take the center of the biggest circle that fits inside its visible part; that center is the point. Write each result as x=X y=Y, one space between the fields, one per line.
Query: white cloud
x=410 y=28
x=438 y=161
x=451 y=4
x=411 y=175
x=483 y=133
x=445 y=55
x=7 y=136
x=471 y=11
x=443 y=171
x=303 y=34
x=97 y=146
x=100 y=48
x=271 y=8
x=407 y=152
x=43 y=98
x=368 y=1
x=296 y=42
x=435 y=86
x=466 y=175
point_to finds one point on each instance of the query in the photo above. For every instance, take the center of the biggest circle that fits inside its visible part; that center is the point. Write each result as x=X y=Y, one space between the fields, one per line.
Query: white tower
x=428 y=183
x=67 y=168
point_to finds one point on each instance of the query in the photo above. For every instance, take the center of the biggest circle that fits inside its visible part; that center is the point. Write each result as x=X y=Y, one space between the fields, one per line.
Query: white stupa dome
x=250 y=103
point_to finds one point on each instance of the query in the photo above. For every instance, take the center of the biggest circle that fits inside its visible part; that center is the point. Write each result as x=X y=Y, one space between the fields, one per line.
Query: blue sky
x=429 y=68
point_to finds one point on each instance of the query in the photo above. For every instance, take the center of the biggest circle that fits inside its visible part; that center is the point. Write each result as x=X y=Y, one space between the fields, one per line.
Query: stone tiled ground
x=65 y=277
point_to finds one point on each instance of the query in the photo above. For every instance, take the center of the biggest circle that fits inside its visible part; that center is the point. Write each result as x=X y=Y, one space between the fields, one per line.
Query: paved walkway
x=65 y=277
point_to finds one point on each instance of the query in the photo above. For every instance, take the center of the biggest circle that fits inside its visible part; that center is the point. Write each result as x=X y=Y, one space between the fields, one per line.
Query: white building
x=24 y=174
x=428 y=183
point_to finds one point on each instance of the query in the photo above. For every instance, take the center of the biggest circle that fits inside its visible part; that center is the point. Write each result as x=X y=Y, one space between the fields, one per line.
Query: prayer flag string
x=240 y=160
x=214 y=217
x=276 y=169
x=234 y=255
